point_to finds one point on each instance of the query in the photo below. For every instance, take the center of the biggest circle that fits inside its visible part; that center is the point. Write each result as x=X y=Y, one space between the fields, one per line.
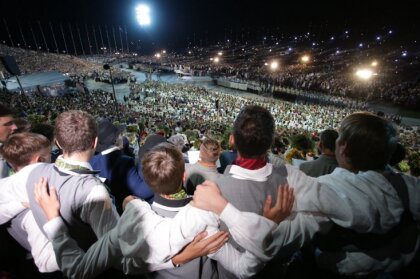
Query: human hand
x=284 y=204
x=200 y=247
x=127 y=200
x=207 y=196
x=48 y=201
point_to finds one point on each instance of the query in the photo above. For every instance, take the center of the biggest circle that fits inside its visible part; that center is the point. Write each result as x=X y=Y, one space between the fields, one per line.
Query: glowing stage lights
x=143 y=15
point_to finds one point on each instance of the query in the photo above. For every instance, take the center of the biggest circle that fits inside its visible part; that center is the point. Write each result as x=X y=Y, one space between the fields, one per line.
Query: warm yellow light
x=220 y=53
x=266 y=64
x=305 y=58
x=274 y=65
x=374 y=64
x=157 y=55
x=216 y=59
x=364 y=73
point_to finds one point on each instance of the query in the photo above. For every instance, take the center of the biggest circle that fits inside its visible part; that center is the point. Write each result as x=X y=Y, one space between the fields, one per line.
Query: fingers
x=267 y=204
x=53 y=193
x=291 y=199
x=40 y=189
x=216 y=241
x=200 y=237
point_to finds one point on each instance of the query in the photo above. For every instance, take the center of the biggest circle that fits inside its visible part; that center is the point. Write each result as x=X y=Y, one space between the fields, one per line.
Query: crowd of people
x=192 y=159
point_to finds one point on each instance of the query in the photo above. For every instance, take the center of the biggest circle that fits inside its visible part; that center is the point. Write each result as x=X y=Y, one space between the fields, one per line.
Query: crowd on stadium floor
x=146 y=139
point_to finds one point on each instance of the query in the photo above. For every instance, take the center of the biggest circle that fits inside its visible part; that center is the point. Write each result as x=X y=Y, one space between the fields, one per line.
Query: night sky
x=177 y=22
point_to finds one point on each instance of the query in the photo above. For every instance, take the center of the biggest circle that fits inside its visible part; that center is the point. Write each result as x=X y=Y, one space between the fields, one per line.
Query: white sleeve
x=41 y=249
x=242 y=265
x=10 y=203
x=251 y=231
x=98 y=211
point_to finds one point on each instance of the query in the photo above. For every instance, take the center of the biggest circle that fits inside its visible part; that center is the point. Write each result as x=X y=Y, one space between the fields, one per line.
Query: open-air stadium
x=111 y=100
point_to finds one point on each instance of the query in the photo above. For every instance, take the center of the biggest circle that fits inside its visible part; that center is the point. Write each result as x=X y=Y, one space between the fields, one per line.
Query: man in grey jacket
x=326 y=162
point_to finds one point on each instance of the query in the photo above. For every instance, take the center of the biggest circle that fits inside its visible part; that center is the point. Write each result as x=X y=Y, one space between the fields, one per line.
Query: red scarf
x=250 y=164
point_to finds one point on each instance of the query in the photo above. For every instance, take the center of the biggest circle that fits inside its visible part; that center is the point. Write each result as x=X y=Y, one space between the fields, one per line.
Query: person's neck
x=207 y=164
x=328 y=153
x=83 y=157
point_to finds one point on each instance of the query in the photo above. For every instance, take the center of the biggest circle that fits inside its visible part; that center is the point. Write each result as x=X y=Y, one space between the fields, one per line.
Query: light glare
x=364 y=74
x=143 y=15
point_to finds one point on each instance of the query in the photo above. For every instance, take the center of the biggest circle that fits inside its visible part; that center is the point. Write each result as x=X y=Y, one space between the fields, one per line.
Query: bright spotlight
x=374 y=64
x=216 y=59
x=274 y=65
x=220 y=53
x=305 y=59
x=157 y=55
x=143 y=15
x=364 y=74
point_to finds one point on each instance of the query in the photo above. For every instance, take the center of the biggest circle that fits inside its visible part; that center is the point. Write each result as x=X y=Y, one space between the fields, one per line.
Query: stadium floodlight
x=274 y=65
x=364 y=73
x=374 y=63
x=143 y=15
x=220 y=53
x=157 y=55
x=305 y=59
x=216 y=60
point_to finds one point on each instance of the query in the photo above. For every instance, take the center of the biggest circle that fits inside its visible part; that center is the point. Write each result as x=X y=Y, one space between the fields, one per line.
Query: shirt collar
x=109 y=150
x=258 y=175
x=73 y=162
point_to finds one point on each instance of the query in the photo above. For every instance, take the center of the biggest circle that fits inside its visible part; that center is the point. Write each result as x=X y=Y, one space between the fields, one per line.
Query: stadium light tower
x=143 y=15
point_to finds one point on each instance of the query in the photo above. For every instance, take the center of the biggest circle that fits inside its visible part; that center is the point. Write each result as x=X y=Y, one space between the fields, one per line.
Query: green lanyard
x=179 y=195
x=64 y=165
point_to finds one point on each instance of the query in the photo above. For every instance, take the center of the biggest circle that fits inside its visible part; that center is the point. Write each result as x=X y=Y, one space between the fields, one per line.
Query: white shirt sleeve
x=12 y=194
x=98 y=211
x=41 y=249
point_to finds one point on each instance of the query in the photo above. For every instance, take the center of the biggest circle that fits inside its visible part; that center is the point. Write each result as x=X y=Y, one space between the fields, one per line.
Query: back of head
x=178 y=140
x=253 y=131
x=108 y=134
x=370 y=141
x=328 y=138
x=209 y=150
x=20 y=149
x=75 y=131
x=44 y=129
x=163 y=169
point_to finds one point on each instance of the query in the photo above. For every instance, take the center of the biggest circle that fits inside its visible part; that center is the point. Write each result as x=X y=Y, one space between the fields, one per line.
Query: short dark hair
x=328 y=138
x=75 y=131
x=19 y=148
x=5 y=110
x=163 y=169
x=370 y=140
x=44 y=129
x=209 y=150
x=253 y=131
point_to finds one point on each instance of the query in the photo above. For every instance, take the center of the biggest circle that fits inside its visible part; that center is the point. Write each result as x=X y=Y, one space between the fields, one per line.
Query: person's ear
x=95 y=143
x=231 y=140
x=58 y=144
x=341 y=148
x=36 y=159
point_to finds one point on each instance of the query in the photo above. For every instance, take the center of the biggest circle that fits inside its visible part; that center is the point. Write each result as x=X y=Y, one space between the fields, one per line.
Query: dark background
x=179 y=23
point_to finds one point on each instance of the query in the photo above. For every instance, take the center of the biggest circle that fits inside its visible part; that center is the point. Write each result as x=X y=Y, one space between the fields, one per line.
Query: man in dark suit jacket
x=119 y=171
